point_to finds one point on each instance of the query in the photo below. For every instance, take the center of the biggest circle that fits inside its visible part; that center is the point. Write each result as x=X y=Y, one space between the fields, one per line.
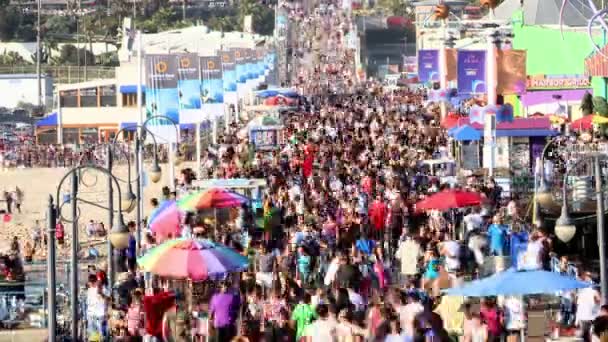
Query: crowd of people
x=342 y=253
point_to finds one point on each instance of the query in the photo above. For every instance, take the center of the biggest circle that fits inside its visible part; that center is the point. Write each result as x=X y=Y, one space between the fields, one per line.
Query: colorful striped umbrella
x=166 y=224
x=162 y=206
x=194 y=259
x=214 y=198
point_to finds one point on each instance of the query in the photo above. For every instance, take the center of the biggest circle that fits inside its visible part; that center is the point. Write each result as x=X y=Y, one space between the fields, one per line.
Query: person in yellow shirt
x=449 y=309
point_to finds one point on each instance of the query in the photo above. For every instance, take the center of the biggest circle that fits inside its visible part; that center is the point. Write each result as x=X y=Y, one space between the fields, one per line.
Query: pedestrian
x=60 y=233
x=223 y=313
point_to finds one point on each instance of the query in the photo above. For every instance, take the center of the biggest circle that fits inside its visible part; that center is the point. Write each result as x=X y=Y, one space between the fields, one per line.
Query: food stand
x=264 y=132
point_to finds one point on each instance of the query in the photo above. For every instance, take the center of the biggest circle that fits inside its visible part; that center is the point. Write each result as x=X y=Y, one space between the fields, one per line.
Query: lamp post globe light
x=174 y=158
x=119 y=235
x=129 y=200
x=155 y=173
x=565 y=228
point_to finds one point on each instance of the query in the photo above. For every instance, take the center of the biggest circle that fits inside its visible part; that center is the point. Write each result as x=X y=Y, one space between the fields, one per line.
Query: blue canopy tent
x=465 y=133
x=275 y=92
x=517 y=283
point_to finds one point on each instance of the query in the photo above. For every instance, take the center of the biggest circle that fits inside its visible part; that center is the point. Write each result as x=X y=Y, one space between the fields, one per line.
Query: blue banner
x=249 y=64
x=162 y=96
x=188 y=81
x=241 y=68
x=428 y=66
x=212 y=85
x=228 y=71
x=471 y=71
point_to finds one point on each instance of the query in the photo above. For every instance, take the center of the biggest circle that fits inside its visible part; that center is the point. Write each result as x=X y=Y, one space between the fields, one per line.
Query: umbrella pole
x=216 y=224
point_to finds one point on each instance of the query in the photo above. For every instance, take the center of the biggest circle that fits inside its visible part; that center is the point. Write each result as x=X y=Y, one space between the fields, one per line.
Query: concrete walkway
x=23 y=335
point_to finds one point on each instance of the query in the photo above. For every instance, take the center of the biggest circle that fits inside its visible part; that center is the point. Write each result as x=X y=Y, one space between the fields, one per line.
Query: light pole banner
x=428 y=66
x=250 y=68
x=239 y=60
x=259 y=64
x=212 y=85
x=189 y=85
x=471 y=72
x=241 y=71
x=162 y=97
x=229 y=76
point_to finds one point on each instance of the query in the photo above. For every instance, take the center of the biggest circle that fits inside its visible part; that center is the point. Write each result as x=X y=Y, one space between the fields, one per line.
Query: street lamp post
x=50 y=264
x=116 y=236
x=74 y=255
x=155 y=175
x=565 y=227
x=171 y=146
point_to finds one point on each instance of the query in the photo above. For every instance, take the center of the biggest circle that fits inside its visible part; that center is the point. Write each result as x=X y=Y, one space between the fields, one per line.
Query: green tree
x=12 y=58
x=9 y=23
x=224 y=23
x=262 y=16
x=70 y=55
x=600 y=106
x=587 y=104
x=58 y=27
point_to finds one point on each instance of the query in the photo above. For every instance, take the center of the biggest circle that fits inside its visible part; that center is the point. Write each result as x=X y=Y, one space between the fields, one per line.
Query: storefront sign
x=558 y=82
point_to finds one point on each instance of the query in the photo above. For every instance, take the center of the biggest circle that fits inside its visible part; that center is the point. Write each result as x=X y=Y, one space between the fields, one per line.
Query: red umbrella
x=583 y=124
x=449 y=199
x=451 y=120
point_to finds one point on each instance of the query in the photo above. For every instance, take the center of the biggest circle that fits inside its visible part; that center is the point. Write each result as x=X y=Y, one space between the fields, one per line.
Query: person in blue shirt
x=131 y=251
x=365 y=245
x=498 y=236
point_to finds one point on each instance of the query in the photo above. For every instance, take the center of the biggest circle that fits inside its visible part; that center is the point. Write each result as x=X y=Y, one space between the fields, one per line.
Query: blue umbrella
x=267 y=93
x=517 y=283
x=466 y=133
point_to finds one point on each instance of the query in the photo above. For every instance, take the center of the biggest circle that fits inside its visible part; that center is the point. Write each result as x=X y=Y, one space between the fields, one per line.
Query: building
x=23 y=88
x=554 y=63
x=97 y=110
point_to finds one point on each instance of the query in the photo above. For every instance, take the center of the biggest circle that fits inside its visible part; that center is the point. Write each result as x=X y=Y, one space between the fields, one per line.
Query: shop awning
x=132 y=126
x=526 y=133
x=128 y=126
x=49 y=120
x=532 y=98
x=130 y=89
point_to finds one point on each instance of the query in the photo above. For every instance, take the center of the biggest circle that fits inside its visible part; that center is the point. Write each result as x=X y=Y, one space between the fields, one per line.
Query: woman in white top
x=478 y=331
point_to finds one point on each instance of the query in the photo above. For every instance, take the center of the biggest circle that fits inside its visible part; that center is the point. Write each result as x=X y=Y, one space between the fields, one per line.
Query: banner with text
x=162 y=96
x=189 y=85
x=471 y=72
x=212 y=85
x=428 y=66
x=228 y=76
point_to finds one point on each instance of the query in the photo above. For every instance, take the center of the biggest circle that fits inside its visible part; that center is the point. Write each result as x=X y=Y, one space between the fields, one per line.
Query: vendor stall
x=264 y=132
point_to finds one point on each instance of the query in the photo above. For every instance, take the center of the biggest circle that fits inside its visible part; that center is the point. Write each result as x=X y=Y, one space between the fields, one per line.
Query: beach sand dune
x=38 y=183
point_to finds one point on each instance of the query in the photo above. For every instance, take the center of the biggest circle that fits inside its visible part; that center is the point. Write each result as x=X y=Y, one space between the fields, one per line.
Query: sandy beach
x=38 y=183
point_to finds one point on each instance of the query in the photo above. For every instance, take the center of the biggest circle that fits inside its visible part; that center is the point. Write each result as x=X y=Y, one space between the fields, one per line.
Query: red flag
x=7 y=218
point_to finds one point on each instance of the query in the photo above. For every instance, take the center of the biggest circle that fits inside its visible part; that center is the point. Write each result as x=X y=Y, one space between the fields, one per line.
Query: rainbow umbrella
x=213 y=198
x=162 y=206
x=195 y=259
x=167 y=222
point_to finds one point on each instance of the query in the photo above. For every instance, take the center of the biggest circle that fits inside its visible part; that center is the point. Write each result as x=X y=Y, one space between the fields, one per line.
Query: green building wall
x=550 y=54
